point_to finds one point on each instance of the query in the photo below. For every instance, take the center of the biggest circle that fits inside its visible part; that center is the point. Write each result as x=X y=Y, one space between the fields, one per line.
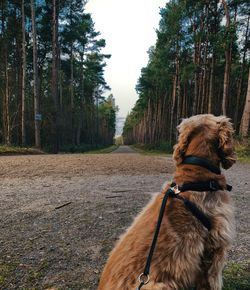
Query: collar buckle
x=213 y=186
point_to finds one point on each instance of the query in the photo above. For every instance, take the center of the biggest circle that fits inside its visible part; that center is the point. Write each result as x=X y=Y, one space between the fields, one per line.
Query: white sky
x=128 y=26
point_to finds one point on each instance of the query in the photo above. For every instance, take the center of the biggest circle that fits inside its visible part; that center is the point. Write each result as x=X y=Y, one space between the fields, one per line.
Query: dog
x=186 y=253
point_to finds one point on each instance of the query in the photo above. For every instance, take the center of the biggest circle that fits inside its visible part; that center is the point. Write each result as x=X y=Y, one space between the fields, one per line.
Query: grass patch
x=5 y=272
x=82 y=148
x=12 y=150
x=243 y=152
x=36 y=274
x=103 y=150
x=162 y=148
x=242 y=148
x=236 y=276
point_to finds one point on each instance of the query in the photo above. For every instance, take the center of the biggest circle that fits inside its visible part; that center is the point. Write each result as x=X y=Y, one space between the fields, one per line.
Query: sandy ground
x=44 y=245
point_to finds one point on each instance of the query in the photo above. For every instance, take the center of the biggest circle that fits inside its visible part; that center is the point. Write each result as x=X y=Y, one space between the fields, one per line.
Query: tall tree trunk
x=54 y=80
x=228 y=57
x=60 y=81
x=72 y=94
x=37 y=114
x=80 y=121
x=6 y=107
x=5 y=103
x=172 y=110
x=71 y=87
x=196 y=73
x=23 y=105
x=184 y=100
x=200 y=71
x=226 y=82
x=244 y=126
x=241 y=75
x=178 y=87
x=205 y=78
x=211 y=85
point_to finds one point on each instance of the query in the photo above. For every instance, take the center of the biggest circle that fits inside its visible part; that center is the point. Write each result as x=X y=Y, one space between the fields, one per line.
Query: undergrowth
x=242 y=148
x=236 y=276
x=84 y=148
x=103 y=150
x=158 y=148
x=9 y=150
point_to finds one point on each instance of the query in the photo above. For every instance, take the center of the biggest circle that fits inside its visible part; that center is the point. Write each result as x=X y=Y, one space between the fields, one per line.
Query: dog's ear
x=226 y=147
x=183 y=140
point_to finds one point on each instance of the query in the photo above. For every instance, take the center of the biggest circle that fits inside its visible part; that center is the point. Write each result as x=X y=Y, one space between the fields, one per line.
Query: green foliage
x=104 y=150
x=6 y=150
x=186 y=66
x=159 y=148
x=72 y=148
x=242 y=149
x=81 y=74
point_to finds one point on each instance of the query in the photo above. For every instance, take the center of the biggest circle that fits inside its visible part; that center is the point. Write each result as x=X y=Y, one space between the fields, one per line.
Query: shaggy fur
x=186 y=253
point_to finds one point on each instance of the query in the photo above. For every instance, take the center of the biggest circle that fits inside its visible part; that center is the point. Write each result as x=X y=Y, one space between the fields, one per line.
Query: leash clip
x=143 y=279
x=175 y=189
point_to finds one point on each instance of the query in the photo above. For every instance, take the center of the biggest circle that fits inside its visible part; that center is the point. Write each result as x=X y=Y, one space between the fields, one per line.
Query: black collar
x=211 y=185
x=201 y=162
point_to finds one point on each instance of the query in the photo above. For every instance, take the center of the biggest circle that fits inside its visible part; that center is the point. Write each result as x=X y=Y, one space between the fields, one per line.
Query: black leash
x=144 y=277
x=173 y=192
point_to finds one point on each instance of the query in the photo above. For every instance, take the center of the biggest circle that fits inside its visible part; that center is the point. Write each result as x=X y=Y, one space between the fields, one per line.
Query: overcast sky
x=128 y=26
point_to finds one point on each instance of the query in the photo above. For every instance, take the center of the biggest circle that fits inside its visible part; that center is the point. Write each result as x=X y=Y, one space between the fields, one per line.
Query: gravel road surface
x=61 y=214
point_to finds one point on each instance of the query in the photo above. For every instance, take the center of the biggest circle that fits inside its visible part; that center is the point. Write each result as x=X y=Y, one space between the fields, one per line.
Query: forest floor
x=60 y=215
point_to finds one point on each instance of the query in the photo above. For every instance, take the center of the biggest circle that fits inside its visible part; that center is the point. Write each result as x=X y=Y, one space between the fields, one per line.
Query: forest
x=52 y=77
x=199 y=64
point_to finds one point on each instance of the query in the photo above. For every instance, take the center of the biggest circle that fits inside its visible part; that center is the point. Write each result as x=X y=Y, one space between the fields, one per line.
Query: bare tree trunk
x=204 y=80
x=5 y=104
x=54 y=80
x=244 y=126
x=172 y=110
x=241 y=76
x=80 y=121
x=178 y=88
x=184 y=100
x=196 y=74
x=72 y=95
x=23 y=104
x=176 y=95
x=226 y=82
x=228 y=56
x=211 y=86
x=60 y=82
x=35 y=79
x=6 y=108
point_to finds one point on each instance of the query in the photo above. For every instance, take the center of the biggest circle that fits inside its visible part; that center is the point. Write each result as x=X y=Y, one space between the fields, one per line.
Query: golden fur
x=186 y=253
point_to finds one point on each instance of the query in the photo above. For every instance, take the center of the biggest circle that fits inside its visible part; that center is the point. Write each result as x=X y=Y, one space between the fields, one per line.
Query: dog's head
x=206 y=136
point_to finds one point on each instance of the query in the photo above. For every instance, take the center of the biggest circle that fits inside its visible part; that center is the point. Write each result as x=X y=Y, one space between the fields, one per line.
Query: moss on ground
x=104 y=150
x=236 y=276
x=12 y=150
x=162 y=149
x=6 y=271
x=243 y=152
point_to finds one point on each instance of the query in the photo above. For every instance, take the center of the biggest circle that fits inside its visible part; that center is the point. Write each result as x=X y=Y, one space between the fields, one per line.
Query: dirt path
x=124 y=149
x=43 y=245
